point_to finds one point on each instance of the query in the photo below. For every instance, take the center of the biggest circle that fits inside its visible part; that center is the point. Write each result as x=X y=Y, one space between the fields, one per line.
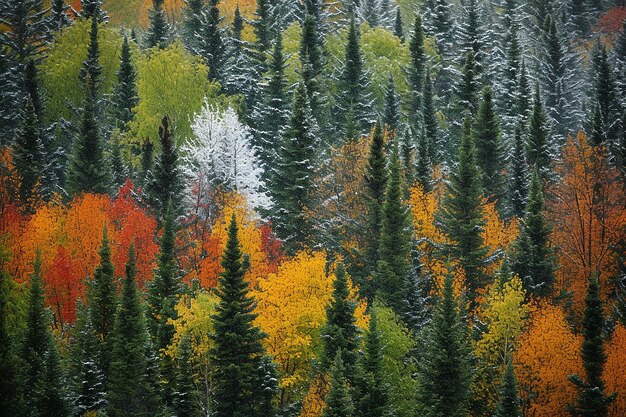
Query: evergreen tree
x=185 y=402
x=444 y=373
x=192 y=24
x=592 y=400
x=423 y=165
x=408 y=157
x=490 y=149
x=130 y=393
x=147 y=161
x=533 y=259
x=523 y=104
x=376 y=180
x=471 y=33
x=89 y=387
x=87 y=170
x=311 y=60
x=158 y=33
x=42 y=384
x=509 y=92
x=606 y=97
x=416 y=70
x=518 y=175
x=24 y=31
x=508 y=403
x=28 y=157
x=237 y=352
x=391 y=112
x=59 y=15
x=92 y=8
x=619 y=55
x=102 y=299
x=340 y=335
x=292 y=180
x=118 y=167
x=429 y=116
x=580 y=18
x=166 y=182
x=210 y=41
x=395 y=241
x=398 y=25
x=125 y=97
x=462 y=215
x=91 y=70
x=353 y=84
x=338 y=400
x=468 y=86
x=11 y=394
x=537 y=150
x=262 y=25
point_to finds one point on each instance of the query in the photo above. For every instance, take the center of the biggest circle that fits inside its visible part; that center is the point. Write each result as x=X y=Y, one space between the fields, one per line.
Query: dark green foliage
x=518 y=175
x=192 y=23
x=592 y=400
x=429 y=116
x=147 y=161
x=338 y=400
x=118 y=167
x=468 y=86
x=340 y=335
x=533 y=259
x=606 y=97
x=511 y=72
x=398 y=26
x=423 y=163
x=554 y=73
x=292 y=180
x=237 y=353
x=311 y=60
x=263 y=26
x=28 y=156
x=24 y=30
x=490 y=149
x=130 y=392
x=416 y=70
x=537 y=150
x=210 y=41
x=444 y=372
x=391 y=112
x=92 y=8
x=461 y=214
x=619 y=54
x=523 y=104
x=508 y=403
x=102 y=298
x=125 y=94
x=59 y=15
x=11 y=395
x=158 y=33
x=395 y=241
x=166 y=182
x=580 y=18
x=376 y=180
x=408 y=157
x=186 y=401
x=91 y=71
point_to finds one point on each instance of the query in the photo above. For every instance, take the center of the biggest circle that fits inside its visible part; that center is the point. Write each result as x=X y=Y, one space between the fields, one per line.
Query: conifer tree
x=408 y=158
x=237 y=352
x=158 y=33
x=119 y=172
x=509 y=92
x=462 y=215
x=605 y=91
x=416 y=70
x=489 y=148
x=523 y=104
x=508 y=402
x=91 y=70
x=338 y=400
x=391 y=112
x=28 y=156
x=59 y=15
x=468 y=87
x=42 y=384
x=92 y=8
x=210 y=41
x=518 y=175
x=537 y=146
x=592 y=399
x=619 y=55
x=147 y=161
x=125 y=93
x=11 y=395
x=130 y=393
x=444 y=373
x=340 y=334
x=395 y=241
x=429 y=116
x=292 y=180
x=423 y=164
x=87 y=170
x=166 y=182
x=262 y=25
x=471 y=33
x=376 y=180
x=533 y=259
x=185 y=402
x=580 y=18
x=102 y=300
x=398 y=25
x=353 y=84
x=24 y=34
x=192 y=24
x=311 y=60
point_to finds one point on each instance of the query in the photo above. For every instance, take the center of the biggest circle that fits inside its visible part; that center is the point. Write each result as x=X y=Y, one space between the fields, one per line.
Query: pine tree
x=533 y=259
x=416 y=70
x=166 y=182
x=28 y=157
x=338 y=400
x=391 y=112
x=130 y=392
x=158 y=33
x=192 y=24
x=102 y=300
x=398 y=25
x=592 y=400
x=605 y=92
x=408 y=158
x=125 y=97
x=118 y=167
x=580 y=18
x=11 y=394
x=42 y=383
x=619 y=55
x=92 y=8
x=423 y=165
x=87 y=171
x=490 y=149
x=471 y=33
x=340 y=334
x=89 y=387
x=91 y=71
x=237 y=352
x=292 y=180
x=509 y=92
x=508 y=403
x=462 y=215
x=518 y=175
x=210 y=41
x=147 y=161
x=468 y=87
x=395 y=241
x=444 y=373
x=353 y=84
x=429 y=116
x=376 y=180
x=262 y=25
x=537 y=151
x=24 y=30
x=311 y=60
x=59 y=15
x=185 y=402
x=523 y=104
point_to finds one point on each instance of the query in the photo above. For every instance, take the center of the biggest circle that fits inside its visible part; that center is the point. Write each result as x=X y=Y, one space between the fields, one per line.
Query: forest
x=313 y=208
